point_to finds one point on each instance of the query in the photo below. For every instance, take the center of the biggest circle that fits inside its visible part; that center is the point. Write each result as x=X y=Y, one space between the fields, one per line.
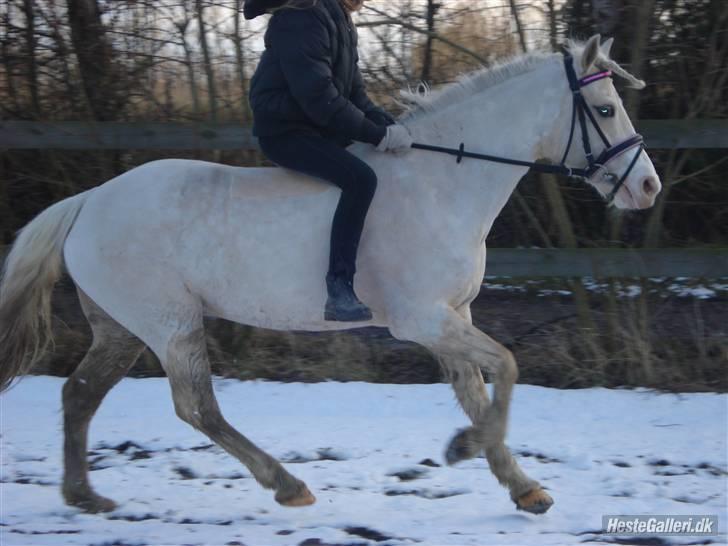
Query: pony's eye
x=606 y=111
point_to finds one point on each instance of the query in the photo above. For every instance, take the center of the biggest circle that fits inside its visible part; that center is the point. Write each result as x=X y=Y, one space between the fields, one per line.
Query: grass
x=656 y=340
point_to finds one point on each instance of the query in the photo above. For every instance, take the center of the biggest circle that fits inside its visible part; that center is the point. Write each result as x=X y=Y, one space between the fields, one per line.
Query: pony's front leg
x=487 y=434
x=464 y=351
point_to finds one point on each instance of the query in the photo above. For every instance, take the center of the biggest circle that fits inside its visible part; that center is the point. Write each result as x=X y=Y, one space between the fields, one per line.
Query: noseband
x=580 y=110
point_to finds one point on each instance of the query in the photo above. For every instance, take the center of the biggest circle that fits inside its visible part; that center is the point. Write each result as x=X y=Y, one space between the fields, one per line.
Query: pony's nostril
x=649 y=186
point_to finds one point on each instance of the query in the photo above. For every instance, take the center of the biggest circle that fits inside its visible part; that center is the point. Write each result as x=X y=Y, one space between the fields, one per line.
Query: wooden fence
x=16 y=135
x=600 y=262
x=711 y=262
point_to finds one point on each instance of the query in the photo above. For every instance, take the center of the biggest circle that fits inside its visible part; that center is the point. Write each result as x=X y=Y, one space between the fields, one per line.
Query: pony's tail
x=33 y=266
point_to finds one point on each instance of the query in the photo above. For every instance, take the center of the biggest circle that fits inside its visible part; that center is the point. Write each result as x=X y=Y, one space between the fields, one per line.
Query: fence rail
x=666 y=134
x=24 y=135
x=608 y=262
x=600 y=263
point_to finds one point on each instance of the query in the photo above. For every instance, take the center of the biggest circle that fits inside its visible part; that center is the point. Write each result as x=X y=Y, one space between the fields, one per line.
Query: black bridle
x=580 y=110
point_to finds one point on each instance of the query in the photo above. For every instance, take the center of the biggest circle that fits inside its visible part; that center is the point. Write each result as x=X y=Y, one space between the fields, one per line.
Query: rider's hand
x=397 y=139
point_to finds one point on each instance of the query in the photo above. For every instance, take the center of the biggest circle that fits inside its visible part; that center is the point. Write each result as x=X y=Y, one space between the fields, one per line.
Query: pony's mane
x=423 y=100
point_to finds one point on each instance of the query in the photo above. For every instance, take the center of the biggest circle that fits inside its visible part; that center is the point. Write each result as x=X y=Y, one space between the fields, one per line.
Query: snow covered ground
x=372 y=454
x=663 y=287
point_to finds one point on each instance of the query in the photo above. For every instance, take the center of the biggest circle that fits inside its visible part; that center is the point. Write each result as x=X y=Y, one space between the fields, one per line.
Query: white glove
x=397 y=139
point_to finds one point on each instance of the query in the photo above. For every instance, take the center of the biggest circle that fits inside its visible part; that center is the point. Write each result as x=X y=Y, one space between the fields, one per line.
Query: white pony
x=158 y=248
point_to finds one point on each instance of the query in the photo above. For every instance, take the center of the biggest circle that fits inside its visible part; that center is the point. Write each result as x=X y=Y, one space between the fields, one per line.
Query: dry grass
x=673 y=344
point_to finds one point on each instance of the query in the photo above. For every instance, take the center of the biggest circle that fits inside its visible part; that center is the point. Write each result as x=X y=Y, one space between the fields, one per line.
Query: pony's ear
x=606 y=47
x=591 y=52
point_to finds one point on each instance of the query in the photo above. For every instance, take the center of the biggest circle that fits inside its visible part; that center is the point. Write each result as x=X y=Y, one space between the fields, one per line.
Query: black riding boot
x=342 y=304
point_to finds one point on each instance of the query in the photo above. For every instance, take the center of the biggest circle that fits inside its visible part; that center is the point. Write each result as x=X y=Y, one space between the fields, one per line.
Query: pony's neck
x=516 y=118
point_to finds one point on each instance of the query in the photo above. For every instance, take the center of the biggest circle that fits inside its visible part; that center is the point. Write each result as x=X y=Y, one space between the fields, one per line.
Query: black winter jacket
x=308 y=78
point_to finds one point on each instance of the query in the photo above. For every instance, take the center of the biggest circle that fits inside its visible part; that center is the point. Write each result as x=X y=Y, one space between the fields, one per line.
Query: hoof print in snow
x=369 y=534
x=132 y=517
x=659 y=462
x=52 y=532
x=97 y=463
x=203 y=447
x=322 y=454
x=117 y=542
x=319 y=542
x=24 y=479
x=294 y=458
x=126 y=446
x=329 y=454
x=285 y=532
x=425 y=494
x=540 y=457
x=665 y=468
x=409 y=474
x=622 y=464
x=131 y=449
x=712 y=470
x=429 y=462
x=185 y=473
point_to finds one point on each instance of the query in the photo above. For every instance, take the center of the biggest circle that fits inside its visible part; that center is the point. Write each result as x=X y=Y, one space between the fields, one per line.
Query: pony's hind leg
x=188 y=369
x=113 y=351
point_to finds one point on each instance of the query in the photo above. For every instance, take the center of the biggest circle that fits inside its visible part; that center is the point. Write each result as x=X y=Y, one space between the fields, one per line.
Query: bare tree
x=97 y=64
x=207 y=59
x=432 y=8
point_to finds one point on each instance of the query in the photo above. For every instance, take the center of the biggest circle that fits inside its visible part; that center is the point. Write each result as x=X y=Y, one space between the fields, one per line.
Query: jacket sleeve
x=362 y=101
x=303 y=45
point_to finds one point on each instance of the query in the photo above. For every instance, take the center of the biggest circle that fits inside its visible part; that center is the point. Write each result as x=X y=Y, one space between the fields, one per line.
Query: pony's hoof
x=462 y=447
x=302 y=497
x=91 y=503
x=536 y=501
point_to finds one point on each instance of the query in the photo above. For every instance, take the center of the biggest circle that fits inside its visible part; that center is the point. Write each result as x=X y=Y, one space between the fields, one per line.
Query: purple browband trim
x=586 y=80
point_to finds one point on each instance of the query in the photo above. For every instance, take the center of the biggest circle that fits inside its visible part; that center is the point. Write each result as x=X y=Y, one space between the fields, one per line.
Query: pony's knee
x=74 y=394
x=203 y=415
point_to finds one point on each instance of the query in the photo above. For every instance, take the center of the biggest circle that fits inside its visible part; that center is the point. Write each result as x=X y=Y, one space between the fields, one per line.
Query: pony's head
x=618 y=167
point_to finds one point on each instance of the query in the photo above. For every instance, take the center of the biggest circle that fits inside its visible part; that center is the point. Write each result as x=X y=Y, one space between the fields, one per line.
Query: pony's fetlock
x=464 y=445
x=87 y=500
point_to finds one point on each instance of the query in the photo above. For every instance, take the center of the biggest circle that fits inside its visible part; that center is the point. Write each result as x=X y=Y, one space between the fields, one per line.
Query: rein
x=580 y=110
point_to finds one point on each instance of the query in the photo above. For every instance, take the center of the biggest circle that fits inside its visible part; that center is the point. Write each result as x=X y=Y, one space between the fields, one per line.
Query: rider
x=309 y=102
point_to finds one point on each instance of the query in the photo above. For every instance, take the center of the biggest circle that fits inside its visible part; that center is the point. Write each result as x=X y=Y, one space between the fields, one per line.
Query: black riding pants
x=322 y=158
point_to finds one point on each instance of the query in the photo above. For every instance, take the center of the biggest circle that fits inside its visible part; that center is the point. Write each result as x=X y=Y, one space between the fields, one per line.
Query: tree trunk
x=519 y=27
x=432 y=8
x=209 y=71
x=99 y=73
x=553 y=31
x=189 y=65
x=642 y=19
x=32 y=67
x=240 y=61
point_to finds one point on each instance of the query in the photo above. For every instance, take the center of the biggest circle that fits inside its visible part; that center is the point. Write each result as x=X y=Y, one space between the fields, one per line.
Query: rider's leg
x=317 y=156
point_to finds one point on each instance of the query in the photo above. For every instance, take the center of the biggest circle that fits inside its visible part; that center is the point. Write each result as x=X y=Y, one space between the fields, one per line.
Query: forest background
x=191 y=61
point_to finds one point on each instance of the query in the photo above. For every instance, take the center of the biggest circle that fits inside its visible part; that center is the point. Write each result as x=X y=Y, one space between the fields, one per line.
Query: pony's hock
x=158 y=248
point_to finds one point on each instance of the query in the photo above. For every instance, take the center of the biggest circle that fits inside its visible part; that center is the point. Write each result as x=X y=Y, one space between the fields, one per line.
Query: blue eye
x=606 y=111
